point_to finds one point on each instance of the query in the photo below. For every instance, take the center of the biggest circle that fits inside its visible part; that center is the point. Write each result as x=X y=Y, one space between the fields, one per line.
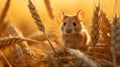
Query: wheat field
x=30 y=34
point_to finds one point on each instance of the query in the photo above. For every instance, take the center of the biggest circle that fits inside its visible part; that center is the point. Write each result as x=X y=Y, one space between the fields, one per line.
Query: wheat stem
x=50 y=43
x=5 y=59
x=49 y=9
x=4 y=12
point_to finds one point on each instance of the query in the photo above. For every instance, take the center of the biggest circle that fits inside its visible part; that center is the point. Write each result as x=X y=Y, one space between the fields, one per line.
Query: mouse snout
x=68 y=30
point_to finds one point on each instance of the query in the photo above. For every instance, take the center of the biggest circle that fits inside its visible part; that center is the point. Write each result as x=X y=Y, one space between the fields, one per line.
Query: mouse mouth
x=68 y=31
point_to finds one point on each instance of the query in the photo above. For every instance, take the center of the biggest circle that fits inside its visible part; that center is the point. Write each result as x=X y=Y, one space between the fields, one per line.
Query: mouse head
x=71 y=23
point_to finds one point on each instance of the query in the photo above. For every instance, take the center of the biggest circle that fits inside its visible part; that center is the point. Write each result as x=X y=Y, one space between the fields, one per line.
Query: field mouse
x=73 y=32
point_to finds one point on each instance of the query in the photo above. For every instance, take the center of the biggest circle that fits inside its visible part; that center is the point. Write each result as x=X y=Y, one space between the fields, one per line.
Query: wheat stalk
x=4 y=12
x=50 y=12
x=3 y=27
x=6 y=41
x=38 y=21
x=5 y=59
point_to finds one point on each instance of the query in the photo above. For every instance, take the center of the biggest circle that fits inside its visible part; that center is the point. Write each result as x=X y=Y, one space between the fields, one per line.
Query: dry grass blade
x=6 y=41
x=48 y=6
x=95 y=26
x=4 y=12
x=81 y=56
x=38 y=22
x=114 y=39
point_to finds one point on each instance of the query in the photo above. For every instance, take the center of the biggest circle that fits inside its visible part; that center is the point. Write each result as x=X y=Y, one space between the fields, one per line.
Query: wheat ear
x=95 y=26
x=81 y=56
x=38 y=21
x=114 y=38
x=24 y=45
x=6 y=41
x=105 y=27
x=19 y=54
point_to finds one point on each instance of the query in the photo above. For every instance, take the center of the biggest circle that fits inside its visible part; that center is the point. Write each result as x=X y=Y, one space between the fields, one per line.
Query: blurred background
x=20 y=16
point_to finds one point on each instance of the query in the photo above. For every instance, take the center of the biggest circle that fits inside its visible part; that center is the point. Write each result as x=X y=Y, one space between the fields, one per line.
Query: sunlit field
x=31 y=35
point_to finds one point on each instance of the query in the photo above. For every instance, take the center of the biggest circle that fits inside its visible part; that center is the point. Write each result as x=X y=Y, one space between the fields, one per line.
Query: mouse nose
x=68 y=30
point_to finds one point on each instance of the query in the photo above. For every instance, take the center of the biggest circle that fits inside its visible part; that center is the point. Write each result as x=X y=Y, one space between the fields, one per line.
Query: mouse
x=74 y=34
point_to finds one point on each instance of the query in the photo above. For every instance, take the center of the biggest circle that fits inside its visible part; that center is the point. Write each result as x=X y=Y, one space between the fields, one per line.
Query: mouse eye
x=74 y=24
x=64 y=23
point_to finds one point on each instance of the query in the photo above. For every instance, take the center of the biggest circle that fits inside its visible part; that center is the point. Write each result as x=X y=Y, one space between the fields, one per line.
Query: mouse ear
x=61 y=15
x=80 y=15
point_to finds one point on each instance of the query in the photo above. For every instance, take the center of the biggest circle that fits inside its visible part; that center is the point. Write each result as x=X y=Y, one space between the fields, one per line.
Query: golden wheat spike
x=19 y=53
x=12 y=40
x=83 y=57
x=114 y=39
x=15 y=31
x=95 y=26
x=117 y=46
x=24 y=45
x=38 y=21
x=4 y=12
x=36 y=16
x=105 y=27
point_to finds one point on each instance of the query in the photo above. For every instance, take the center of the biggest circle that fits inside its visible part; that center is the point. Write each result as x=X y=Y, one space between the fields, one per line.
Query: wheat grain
x=114 y=39
x=52 y=62
x=117 y=46
x=81 y=56
x=19 y=54
x=105 y=27
x=6 y=41
x=38 y=22
x=36 y=16
x=24 y=45
x=95 y=26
